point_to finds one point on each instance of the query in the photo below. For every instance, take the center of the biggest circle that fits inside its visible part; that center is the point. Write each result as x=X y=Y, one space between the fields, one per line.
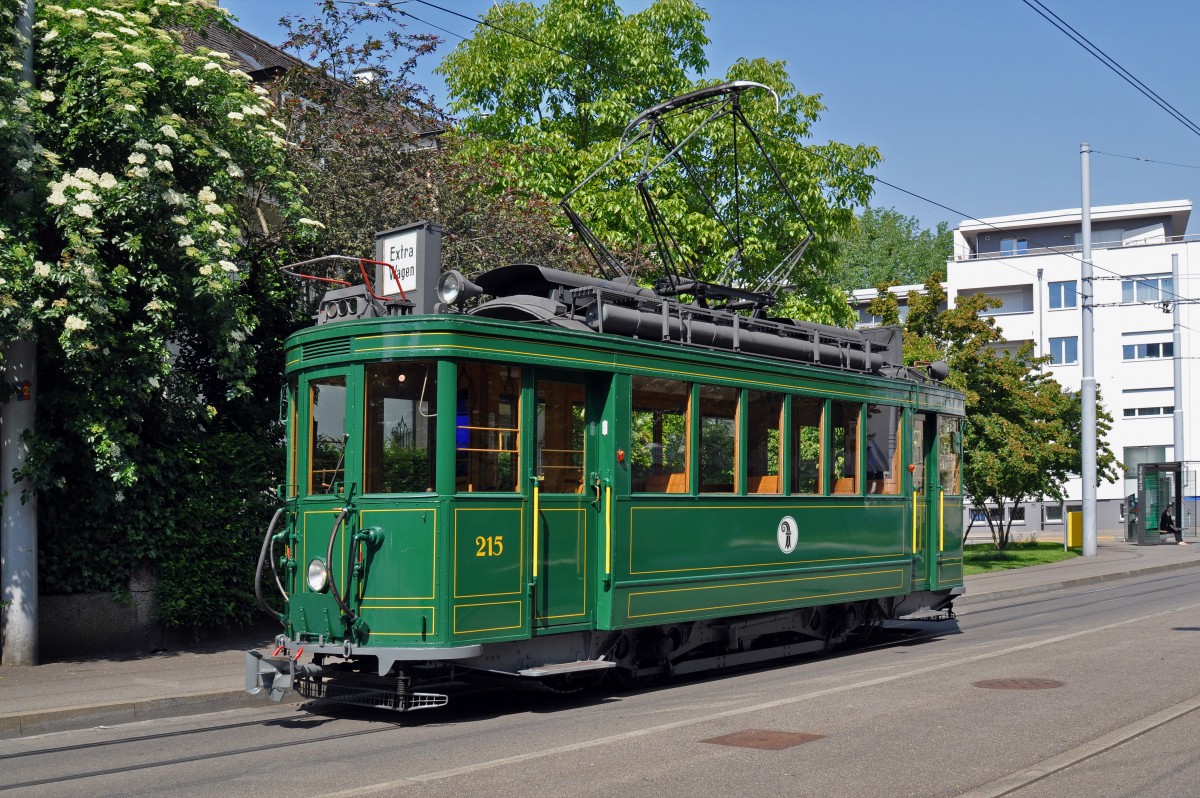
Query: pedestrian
x=1167 y=524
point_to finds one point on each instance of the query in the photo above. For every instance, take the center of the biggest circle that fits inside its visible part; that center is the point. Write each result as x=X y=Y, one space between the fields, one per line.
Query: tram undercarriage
x=571 y=661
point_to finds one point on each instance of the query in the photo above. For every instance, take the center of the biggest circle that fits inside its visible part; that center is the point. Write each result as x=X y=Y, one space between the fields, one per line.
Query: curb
x=997 y=595
x=27 y=724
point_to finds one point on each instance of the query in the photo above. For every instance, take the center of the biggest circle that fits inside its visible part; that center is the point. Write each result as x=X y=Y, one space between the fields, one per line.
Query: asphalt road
x=903 y=717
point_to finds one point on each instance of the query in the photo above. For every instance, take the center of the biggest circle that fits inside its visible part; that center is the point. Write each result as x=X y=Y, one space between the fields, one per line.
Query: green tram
x=578 y=476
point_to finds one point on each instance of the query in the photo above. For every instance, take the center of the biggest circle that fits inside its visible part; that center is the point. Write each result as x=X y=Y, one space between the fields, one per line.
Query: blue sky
x=979 y=105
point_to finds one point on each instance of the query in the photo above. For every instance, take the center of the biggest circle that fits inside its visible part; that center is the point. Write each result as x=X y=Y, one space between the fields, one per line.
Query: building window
x=1147 y=289
x=1012 y=298
x=1016 y=515
x=1064 y=351
x=1131 y=412
x=1133 y=456
x=1013 y=246
x=1052 y=513
x=1103 y=238
x=1063 y=295
x=1010 y=348
x=980 y=515
x=1148 y=351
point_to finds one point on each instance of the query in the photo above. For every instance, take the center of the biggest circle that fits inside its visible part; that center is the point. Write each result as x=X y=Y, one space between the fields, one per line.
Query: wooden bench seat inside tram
x=666 y=483
x=764 y=484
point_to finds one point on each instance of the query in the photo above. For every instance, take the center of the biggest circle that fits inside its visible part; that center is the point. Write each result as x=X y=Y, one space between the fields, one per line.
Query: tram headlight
x=454 y=289
x=318 y=576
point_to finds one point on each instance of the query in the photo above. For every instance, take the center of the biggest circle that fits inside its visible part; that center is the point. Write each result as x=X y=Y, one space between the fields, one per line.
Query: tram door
x=327 y=456
x=924 y=431
x=568 y=498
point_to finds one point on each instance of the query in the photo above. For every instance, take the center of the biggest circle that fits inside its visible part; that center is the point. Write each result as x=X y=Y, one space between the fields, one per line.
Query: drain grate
x=764 y=740
x=1018 y=684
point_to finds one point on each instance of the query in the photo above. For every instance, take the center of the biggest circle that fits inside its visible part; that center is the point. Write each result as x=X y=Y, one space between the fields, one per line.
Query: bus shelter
x=1160 y=486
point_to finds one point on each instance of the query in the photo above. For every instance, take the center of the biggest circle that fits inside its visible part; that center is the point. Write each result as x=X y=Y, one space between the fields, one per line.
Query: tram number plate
x=489 y=546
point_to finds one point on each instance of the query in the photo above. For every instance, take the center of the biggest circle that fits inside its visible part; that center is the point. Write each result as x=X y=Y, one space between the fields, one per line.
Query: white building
x=1032 y=263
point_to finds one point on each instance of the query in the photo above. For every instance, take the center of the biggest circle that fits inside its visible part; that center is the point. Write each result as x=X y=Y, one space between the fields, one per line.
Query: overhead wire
x=1104 y=58
x=1008 y=261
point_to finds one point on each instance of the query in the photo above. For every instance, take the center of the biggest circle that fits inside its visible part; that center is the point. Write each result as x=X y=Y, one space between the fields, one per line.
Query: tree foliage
x=135 y=255
x=1022 y=438
x=885 y=246
x=379 y=154
x=564 y=79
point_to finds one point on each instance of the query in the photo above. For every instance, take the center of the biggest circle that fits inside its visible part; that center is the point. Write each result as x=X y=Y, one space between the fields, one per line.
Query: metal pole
x=1087 y=385
x=1177 y=343
x=18 y=518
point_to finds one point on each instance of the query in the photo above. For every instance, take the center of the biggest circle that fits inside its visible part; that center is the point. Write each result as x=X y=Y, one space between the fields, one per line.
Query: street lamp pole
x=1087 y=385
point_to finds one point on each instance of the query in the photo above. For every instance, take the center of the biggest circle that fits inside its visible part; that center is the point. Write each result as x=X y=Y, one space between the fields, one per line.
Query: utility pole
x=1087 y=385
x=18 y=519
x=1177 y=344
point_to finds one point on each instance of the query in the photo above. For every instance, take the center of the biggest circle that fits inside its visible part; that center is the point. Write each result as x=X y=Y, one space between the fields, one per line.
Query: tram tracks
x=179 y=760
x=893 y=638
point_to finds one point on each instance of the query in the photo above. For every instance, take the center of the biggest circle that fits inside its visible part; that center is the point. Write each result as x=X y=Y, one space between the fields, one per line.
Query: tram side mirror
x=454 y=289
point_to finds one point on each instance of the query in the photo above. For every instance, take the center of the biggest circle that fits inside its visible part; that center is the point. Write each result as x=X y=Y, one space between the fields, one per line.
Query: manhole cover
x=765 y=740
x=1018 y=684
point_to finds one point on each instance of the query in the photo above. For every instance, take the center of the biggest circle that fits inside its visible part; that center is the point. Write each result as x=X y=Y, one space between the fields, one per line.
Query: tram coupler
x=274 y=674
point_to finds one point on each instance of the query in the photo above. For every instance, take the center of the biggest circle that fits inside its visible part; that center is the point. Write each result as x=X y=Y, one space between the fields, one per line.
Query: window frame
x=1059 y=358
x=1057 y=295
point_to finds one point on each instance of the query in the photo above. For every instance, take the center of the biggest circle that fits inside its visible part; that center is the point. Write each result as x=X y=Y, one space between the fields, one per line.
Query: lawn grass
x=983 y=558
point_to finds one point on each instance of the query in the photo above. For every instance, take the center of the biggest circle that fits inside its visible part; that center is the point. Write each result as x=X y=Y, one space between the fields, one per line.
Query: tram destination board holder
x=415 y=251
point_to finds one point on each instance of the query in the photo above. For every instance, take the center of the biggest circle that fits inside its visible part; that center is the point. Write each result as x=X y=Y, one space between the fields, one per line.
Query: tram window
x=844 y=418
x=718 y=438
x=764 y=442
x=949 y=455
x=293 y=434
x=487 y=428
x=883 y=449
x=399 y=443
x=327 y=434
x=659 y=435
x=807 y=452
x=560 y=436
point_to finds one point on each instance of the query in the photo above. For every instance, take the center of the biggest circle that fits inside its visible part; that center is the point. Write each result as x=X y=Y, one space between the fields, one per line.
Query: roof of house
x=259 y=59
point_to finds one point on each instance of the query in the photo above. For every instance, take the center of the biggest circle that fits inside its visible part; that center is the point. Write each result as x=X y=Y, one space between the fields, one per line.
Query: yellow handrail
x=608 y=529
x=914 y=521
x=941 y=520
x=535 y=527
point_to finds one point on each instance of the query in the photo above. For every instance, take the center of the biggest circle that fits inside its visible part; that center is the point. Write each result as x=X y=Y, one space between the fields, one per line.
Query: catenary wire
x=810 y=151
x=1104 y=58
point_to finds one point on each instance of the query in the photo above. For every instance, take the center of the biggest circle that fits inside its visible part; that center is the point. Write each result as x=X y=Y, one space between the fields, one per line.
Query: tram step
x=567 y=667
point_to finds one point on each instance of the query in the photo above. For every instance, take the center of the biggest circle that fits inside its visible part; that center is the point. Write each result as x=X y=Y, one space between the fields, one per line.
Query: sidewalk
x=59 y=696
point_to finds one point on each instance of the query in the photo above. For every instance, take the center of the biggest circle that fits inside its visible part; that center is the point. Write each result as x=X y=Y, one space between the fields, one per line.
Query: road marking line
x=463 y=770
x=1006 y=785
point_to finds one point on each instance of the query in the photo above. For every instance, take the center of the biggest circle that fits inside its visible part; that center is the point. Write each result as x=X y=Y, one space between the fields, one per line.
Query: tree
x=885 y=246
x=566 y=78
x=129 y=256
x=1022 y=437
x=377 y=153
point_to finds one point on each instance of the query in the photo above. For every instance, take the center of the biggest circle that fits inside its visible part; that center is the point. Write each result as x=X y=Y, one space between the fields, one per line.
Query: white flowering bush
x=139 y=172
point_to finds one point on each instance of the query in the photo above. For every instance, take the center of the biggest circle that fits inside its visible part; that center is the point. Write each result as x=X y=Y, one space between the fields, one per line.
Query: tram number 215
x=489 y=546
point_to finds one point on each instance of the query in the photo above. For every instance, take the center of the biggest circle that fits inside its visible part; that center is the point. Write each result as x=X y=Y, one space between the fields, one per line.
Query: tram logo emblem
x=787 y=534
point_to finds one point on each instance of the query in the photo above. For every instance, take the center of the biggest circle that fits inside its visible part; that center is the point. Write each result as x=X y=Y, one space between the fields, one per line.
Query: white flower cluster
x=81 y=184
x=74 y=323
